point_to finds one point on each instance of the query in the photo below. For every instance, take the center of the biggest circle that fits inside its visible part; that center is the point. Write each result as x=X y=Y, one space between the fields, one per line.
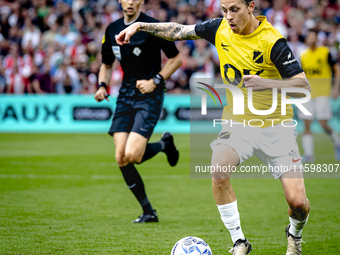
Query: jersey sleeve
x=208 y=29
x=107 y=55
x=332 y=60
x=283 y=58
x=169 y=48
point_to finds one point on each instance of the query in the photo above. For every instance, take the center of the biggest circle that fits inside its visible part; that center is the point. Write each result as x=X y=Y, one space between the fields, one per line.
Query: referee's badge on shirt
x=137 y=51
x=116 y=51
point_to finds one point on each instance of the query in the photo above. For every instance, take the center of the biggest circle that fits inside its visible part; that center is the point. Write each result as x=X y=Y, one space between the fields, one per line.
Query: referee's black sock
x=136 y=185
x=152 y=149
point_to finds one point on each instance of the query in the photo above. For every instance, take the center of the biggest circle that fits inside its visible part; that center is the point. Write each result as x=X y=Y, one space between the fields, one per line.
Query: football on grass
x=191 y=245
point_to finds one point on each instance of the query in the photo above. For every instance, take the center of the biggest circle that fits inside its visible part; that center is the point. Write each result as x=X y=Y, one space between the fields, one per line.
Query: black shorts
x=138 y=115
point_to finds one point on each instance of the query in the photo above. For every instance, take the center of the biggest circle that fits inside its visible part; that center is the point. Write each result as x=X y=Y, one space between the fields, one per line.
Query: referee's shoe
x=148 y=217
x=170 y=149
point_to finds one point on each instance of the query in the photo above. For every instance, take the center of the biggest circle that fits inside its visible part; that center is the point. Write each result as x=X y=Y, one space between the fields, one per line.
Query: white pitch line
x=93 y=177
x=91 y=164
x=25 y=153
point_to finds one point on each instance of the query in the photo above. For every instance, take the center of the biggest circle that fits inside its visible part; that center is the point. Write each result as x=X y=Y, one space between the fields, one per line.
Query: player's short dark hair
x=247 y=2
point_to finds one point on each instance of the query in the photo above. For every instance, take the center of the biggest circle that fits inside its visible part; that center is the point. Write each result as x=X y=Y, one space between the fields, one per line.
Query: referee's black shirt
x=141 y=59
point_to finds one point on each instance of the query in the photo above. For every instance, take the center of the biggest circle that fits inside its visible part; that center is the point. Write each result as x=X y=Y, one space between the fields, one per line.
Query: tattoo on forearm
x=170 y=31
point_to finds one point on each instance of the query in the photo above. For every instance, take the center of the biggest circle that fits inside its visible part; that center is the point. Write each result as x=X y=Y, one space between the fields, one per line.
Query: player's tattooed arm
x=168 y=31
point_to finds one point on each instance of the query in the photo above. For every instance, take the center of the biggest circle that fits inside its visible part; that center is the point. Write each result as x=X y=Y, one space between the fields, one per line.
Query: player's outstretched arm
x=168 y=31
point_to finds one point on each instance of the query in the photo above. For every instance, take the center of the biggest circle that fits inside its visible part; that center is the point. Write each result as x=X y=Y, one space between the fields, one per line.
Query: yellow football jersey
x=250 y=54
x=318 y=70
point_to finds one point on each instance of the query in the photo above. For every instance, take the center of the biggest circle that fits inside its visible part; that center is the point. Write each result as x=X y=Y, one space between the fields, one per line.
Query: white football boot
x=294 y=243
x=241 y=247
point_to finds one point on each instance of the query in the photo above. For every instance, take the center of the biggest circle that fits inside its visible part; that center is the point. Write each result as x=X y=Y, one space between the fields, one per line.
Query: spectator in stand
x=92 y=77
x=57 y=55
x=275 y=11
x=49 y=35
x=2 y=41
x=76 y=50
x=12 y=59
x=42 y=10
x=31 y=37
x=42 y=81
x=189 y=63
x=2 y=79
x=295 y=44
x=15 y=83
x=63 y=37
x=202 y=55
x=4 y=14
x=264 y=6
x=67 y=79
x=13 y=19
x=92 y=51
x=14 y=35
x=179 y=83
x=83 y=72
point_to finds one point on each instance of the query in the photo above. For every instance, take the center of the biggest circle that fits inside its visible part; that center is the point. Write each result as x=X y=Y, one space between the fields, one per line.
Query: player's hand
x=145 y=86
x=101 y=94
x=124 y=36
x=255 y=82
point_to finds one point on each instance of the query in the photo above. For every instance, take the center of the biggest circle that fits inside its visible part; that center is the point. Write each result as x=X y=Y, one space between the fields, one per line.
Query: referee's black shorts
x=139 y=114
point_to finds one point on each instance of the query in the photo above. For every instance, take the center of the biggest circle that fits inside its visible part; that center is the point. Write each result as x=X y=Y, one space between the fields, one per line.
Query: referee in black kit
x=140 y=99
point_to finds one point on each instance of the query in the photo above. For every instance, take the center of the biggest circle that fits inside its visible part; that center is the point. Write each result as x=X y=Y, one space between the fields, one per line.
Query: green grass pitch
x=64 y=194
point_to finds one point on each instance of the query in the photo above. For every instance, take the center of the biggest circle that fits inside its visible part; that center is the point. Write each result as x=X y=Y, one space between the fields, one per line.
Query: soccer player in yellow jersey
x=318 y=64
x=250 y=49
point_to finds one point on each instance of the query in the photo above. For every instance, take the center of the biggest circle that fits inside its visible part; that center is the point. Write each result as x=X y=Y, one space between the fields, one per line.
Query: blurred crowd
x=55 y=46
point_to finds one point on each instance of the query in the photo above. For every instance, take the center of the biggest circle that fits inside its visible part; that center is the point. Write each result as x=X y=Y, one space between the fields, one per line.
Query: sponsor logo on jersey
x=224 y=135
x=116 y=52
x=258 y=57
x=224 y=46
x=209 y=21
x=289 y=61
x=294 y=153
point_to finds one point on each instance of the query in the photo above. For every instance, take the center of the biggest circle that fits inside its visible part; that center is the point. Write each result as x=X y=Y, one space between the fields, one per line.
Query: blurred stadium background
x=54 y=48
x=64 y=194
